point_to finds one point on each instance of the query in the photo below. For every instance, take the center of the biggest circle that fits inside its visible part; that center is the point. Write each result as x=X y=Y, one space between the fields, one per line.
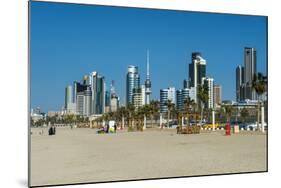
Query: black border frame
x=129 y=180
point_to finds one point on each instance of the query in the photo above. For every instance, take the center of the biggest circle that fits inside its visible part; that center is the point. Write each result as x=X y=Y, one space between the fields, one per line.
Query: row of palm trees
x=67 y=119
x=135 y=118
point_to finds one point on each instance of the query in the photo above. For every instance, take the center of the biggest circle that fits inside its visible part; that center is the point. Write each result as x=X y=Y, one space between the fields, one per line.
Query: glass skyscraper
x=132 y=82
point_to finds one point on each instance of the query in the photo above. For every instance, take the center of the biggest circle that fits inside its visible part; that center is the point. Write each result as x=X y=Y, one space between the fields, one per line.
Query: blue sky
x=70 y=40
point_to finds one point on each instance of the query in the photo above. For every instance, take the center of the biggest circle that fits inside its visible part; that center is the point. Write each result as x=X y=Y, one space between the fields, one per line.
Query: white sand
x=81 y=155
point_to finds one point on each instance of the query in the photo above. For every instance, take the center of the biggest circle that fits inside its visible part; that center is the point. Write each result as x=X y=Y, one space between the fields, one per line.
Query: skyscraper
x=239 y=83
x=182 y=95
x=87 y=101
x=197 y=71
x=210 y=83
x=80 y=103
x=98 y=93
x=217 y=95
x=132 y=81
x=68 y=97
x=250 y=64
x=165 y=95
x=147 y=82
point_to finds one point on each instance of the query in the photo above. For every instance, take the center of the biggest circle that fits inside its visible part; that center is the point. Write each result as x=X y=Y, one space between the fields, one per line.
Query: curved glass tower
x=132 y=81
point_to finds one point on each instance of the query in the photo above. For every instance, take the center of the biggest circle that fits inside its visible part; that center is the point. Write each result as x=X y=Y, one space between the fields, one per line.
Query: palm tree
x=170 y=106
x=122 y=112
x=147 y=111
x=203 y=98
x=131 y=111
x=228 y=112
x=259 y=85
x=154 y=105
x=188 y=104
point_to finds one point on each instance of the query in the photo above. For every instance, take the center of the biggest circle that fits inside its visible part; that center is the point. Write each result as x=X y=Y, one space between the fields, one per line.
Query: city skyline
x=175 y=55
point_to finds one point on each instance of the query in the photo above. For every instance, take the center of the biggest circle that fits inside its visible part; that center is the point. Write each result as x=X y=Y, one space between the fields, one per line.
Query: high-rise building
x=98 y=93
x=217 y=95
x=183 y=95
x=239 y=83
x=68 y=97
x=210 y=83
x=185 y=84
x=78 y=87
x=147 y=82
x=137 y=97
x=250 y=64
x=179 y=104
x=80 y=102
x=107 y=101
x=165 y=95
x=132 y=81
x=87 y=101
x=163 y=100
x=197 y=71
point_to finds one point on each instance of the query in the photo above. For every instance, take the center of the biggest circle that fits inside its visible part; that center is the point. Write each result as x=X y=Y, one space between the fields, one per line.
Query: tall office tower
x=132 y=81
x=210 y=83
x=68 y=97
x=182 y=95
x=192 y=93
x=87 y=101
x=250 y=64
x=98 y=93
x=172 y=94
x=239 y=83
x=179 y=104
x=217 y=95
x=78 y=87
x=137 y=97
x=165 y=95
x=163 y=100
x=185 y=84
x=107 y=101
x=80 y=102
x=147 y=81
x=197 y=71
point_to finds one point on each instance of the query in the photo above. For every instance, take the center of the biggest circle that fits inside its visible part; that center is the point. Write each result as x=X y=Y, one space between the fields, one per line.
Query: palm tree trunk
x=144 y=122
x=202 y=109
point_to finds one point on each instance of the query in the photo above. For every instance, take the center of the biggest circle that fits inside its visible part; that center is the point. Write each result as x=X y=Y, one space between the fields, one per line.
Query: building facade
x=217 y=95
x=210 y=83
x=98 y=93
x=132 y=82
x=147 y=82
x=197 y=71
x=250 y=64
x=165 y=95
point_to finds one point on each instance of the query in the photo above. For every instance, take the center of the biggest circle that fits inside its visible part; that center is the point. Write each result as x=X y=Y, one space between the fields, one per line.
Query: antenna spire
x=147 y=64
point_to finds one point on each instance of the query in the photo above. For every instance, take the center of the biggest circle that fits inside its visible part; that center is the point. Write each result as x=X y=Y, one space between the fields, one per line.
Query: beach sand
x=81 y=155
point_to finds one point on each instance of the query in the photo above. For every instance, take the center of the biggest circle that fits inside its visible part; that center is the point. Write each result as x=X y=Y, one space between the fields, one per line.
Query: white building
x=210 y=83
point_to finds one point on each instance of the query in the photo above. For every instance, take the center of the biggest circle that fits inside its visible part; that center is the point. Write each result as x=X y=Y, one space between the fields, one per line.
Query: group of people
x=107 y=129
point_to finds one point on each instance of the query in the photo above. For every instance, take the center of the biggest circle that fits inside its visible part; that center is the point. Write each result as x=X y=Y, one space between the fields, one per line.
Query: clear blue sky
x=70 y=40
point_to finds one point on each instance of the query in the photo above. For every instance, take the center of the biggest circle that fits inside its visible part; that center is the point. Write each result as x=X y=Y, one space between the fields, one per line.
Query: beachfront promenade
x=80 y=155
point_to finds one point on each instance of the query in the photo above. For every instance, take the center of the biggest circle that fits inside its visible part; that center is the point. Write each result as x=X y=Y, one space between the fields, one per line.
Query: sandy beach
x=81 y=155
